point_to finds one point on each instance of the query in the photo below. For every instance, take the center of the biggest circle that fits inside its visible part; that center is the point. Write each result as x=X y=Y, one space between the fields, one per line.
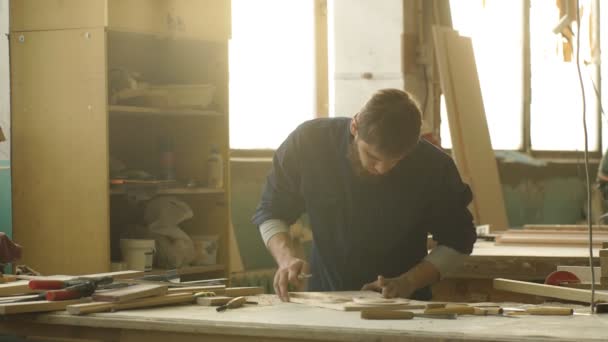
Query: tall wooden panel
x=60 y=149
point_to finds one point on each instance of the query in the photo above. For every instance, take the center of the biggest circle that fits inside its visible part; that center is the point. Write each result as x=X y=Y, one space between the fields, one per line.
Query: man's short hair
x=390 y=121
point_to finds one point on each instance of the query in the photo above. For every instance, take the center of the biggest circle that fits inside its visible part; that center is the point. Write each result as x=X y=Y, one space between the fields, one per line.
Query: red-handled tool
x=49 y=284
x=72 y=292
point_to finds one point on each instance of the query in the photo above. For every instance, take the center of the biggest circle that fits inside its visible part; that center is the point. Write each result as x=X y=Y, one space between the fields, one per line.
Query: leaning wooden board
x=551 y=291
x=471 y=143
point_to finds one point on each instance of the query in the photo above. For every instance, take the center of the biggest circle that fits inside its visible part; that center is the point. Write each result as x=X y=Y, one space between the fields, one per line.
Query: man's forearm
x=421 y=275
x=436 y=265
x=280 y=247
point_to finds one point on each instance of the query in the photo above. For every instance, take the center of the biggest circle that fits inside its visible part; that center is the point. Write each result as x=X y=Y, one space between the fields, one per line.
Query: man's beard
x=355 y=161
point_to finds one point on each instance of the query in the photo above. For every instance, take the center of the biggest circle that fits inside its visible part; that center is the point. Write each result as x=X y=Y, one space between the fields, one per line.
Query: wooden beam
x=130 y=293
x=551 y=291
x=39 y=306
x=170 y=299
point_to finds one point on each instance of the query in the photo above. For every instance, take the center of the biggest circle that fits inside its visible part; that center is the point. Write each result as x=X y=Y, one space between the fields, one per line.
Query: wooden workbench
x=271 y=320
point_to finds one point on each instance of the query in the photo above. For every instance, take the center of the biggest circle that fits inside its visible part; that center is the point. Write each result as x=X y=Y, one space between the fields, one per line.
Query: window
x=555 y=107
x=272 y=72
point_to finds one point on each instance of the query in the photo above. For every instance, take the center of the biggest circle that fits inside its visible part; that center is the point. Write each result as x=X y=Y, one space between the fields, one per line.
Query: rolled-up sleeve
x=450 y=222
x=281 y=198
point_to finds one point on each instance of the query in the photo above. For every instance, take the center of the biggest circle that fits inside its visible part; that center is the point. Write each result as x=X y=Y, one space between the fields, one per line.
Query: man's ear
x=353 y=126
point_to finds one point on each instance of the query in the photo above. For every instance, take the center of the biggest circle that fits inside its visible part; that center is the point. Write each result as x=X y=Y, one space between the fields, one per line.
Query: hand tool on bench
x=234 y=303
x=540 y=310
x=69 y=289
x=399 y=314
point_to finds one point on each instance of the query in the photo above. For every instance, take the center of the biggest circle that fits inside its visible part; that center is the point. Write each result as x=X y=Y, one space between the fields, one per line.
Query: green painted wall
x=550 y=194
x=5 y=198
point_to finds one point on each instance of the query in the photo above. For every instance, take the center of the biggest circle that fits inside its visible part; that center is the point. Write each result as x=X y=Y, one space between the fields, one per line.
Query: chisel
x=398 y=314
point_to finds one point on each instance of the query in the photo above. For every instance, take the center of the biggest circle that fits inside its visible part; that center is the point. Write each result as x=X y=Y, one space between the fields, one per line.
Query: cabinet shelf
x=174 y=191
x=147 y=111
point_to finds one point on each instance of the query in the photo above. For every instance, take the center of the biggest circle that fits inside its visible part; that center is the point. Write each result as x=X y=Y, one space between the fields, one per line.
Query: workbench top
x=296 y=322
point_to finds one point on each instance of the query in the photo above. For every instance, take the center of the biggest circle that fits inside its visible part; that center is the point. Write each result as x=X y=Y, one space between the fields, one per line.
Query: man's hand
x=288 y=273
x=391 y=287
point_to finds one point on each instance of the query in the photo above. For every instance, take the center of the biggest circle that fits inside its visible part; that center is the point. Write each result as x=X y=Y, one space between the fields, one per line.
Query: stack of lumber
x=553 y=235
x=133 y=294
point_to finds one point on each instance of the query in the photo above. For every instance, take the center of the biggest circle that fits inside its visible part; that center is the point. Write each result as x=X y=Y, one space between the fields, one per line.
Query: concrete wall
x=547 y=194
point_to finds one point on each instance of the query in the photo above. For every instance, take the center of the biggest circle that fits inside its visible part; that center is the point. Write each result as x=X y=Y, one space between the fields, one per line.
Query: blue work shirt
x=362 y=229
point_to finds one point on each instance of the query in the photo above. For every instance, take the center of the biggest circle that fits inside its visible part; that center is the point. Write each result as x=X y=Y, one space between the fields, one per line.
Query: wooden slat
x=60 y=150
x=29 y=15
x=241 y=291
x=213 y=301
x=195 y=289
x=549 y=239
x=170 y=299
x=577 y=295
x=566 y=227
x=472 y=147
x=130 y=293
x=40 y=306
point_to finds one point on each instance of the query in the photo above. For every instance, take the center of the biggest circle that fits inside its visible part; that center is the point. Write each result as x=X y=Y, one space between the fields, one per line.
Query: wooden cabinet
x=64 y=128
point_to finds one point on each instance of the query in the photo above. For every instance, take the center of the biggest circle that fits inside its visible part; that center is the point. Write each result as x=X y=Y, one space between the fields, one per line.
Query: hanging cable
x=588 y=182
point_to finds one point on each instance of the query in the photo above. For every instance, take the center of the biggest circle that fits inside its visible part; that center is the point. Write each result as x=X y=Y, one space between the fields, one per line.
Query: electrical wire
x=590 y=226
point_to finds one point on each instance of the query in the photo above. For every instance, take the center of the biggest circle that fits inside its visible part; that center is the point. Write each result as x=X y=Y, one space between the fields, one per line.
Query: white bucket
x=205 y=249
x=138 y=254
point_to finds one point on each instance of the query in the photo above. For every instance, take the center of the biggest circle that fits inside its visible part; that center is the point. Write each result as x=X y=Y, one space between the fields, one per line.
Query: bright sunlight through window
x=271 y=71
x=496 y=30
x=556 y=110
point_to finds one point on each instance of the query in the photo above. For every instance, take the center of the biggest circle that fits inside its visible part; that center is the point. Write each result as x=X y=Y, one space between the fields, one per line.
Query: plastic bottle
x=215 y=168
x=167 y=159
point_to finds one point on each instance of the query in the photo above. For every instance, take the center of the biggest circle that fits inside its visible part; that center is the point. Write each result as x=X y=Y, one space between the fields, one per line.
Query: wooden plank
x=39 y=306
x=195 y=289
x=60 y=149
x=130 y=293
x=15 y=288
x=472 y=147
x=241 y=291
x=213 y=301
x=170 y=299
x=30 y=15
x=567 y=227
x=576 y=295
x=548 y=239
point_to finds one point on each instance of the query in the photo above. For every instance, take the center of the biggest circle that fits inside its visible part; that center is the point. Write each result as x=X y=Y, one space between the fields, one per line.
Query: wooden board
x=576 y=295
x=349 y=300
x=130 y=293
x=170 y=299
x=513 y=238
x=60 y=149
x=564 y=227
x=241 y=291
x=213 y=301
x=195 y=289
x=471 y=143
x=38 y=306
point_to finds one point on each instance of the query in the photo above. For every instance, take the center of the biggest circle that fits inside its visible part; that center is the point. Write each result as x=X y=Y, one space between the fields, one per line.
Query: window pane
x=556 y=105
x=271 y=70
x=496 y=29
